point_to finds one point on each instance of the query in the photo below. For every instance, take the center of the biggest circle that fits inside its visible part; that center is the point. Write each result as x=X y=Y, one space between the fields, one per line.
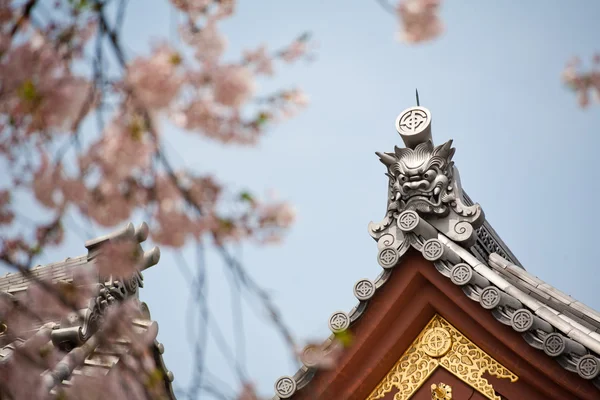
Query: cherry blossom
x=583 y=83
x=41 y=93
x=208 y=43
x=82 y=119
x=295 y=51
x=419 y=20
x=248 y=392
x=233 y=85
x=46 y=183
x=156 y=80
x=279 y=214
x=120 y=259
x=260 y=60
x=124 y=148
x=322 y=355
x=193 y=7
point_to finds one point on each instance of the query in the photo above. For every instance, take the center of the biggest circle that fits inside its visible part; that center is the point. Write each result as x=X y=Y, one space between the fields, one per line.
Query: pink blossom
x=73 y=190
x=192 y=7
x=419 y=19
x=50 y=234
x=292 y=101
x=296 y=50
x=21 y=378
x=322 y=355
x=248 y=392
x=233 y=85
x=45 y=303
x=216 y=121
x=297 y=97
x=124 y=150
x=207 y=41
x=205 y=191
x=156 y=80
x=202 y=115
x=119 y=260
x=41 y=93
x=173 y=222
x=66 y=104
x=582 y=83
x=583 y=99
x=273 y=219
x=119 y=384
x=260 y=60
x=46 y=183
x=281 y=215
x=111 y=202
x=173 y=228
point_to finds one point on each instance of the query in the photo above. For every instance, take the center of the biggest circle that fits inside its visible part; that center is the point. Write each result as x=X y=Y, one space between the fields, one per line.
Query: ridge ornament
x=422 y=180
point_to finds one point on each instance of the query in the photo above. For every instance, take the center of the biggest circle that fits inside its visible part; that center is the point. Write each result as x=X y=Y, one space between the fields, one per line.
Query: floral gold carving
x=441 y=345
x=441 y=391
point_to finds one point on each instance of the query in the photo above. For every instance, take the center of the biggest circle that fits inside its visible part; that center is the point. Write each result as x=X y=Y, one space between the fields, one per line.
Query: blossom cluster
x=584 y=84
x=64 y=70
x=419 y=20
x=46 y=94
x=35 y=365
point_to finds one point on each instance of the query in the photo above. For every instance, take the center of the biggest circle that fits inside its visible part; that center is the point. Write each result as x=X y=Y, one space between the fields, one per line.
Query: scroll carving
x=441 y=345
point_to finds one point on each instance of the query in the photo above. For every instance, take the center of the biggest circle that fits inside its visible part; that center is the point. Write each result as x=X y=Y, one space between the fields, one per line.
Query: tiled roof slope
x=78 y=334
x=428 y=210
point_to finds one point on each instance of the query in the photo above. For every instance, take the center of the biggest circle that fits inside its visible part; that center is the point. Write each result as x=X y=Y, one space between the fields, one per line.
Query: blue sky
x=525 y=152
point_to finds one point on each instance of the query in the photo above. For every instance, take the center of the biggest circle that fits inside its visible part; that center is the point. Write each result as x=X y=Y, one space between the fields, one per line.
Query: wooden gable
x=399 y=315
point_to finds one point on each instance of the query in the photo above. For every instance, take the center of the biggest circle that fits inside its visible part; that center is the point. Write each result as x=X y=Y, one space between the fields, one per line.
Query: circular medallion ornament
x=490 y=297
x=339 y=322
x=433 y=250
x=554 y=345
x=461 y=274
x=285 y=387
x=588 y=367
x=388 y=257
x=522 y=320
x=413 y=120
x=437 y=342
x=408 y=221
x=364 y=289
x=309 y=357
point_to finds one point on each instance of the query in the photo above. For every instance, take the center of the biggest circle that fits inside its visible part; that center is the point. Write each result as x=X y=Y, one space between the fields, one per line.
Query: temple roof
x=77 y=333
x=428 y=211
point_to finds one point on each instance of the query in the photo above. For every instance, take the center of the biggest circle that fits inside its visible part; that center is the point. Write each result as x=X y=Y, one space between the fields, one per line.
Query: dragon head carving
x=421 y=178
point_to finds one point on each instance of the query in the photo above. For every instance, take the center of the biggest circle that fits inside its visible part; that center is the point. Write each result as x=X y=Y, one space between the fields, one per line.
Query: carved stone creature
x=423 y=179
x=420 y=179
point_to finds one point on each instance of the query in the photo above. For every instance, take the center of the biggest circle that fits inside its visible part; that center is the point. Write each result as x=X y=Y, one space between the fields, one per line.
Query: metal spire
x=417 y=94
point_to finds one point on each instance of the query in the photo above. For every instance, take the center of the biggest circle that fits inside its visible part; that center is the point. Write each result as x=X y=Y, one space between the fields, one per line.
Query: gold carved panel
x=441 y=345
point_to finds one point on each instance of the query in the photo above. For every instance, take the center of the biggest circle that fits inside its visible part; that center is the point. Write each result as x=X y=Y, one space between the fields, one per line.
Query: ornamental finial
x=414 y=125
